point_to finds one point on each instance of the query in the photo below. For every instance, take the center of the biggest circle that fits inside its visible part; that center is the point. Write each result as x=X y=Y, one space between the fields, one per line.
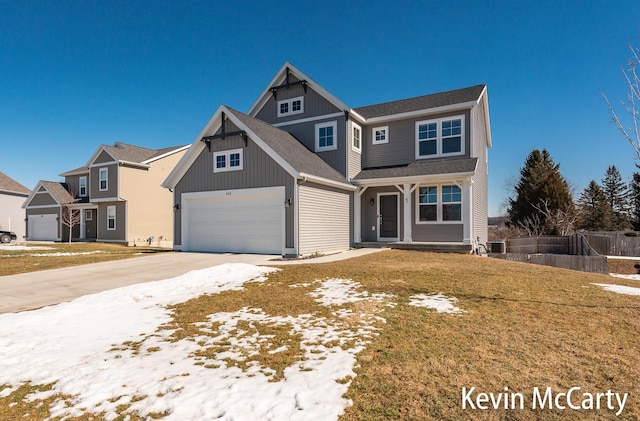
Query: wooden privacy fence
x=568 y=252
x=614 y=243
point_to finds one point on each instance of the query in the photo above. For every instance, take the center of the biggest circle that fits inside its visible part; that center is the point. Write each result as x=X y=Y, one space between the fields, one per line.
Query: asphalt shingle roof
x=428 y=167
x=58 y=191
x=424 y=102
x=290 y=149
x=10 y=185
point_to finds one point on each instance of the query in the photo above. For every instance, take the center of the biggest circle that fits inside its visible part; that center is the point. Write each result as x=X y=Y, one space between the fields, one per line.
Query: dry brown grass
x=23 y=261
x=525 y=326
x=627 y=267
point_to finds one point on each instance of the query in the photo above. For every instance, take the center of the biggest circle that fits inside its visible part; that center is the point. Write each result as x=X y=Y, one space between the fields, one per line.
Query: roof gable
x=9 y=185
x=57 y=190
x=280 y=79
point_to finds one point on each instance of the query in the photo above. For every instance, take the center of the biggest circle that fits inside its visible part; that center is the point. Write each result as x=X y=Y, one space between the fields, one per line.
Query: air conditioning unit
x=499 y=247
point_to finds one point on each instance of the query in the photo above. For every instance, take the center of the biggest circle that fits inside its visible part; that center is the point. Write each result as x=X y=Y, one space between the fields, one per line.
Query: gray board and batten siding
x=259 y=171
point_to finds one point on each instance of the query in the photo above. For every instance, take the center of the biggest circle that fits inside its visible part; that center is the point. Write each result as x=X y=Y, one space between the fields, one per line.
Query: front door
x=388 y=217
x=90 y=224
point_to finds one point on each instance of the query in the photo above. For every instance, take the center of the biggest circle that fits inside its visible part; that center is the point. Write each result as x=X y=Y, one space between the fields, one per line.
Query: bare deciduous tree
x=71 y=212
x=629 y=126
x=560 y=221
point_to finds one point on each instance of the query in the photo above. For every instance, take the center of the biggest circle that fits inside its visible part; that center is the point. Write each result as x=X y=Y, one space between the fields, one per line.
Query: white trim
x=55 y=205
x=326 y=182
x=86 y=186
x=406 y=196
x=357 y=214
x=439 y=137
x=308 y=119
x=164 y=155
x=355 y=127
x=106 y=170
x=424 y=112
x=78 y=171
x=106 y=199
x=104 y=164
x=86 y=213
x=435 y=179
x=227 y=163
x=115 y=217
x=333 y=124
x=379 y=217
x=438 y=204
x=289 y=103
x=373 y=135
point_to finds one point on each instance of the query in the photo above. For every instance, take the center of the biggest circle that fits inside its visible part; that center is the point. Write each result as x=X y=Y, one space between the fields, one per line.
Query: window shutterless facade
x=356 y=137
x=291 y=106
x=440 y=137
x=227 y=160
x=111 y=218
x=82 y=187
x=439 y=204
x=326 y=136
x=380 y=135
x=104 y=179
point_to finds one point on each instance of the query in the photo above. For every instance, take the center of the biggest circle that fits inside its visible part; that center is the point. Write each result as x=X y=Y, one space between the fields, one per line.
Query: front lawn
x=290 y=346
x=40 y=256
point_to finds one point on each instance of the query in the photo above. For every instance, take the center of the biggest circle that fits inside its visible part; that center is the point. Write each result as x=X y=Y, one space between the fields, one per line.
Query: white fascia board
x=437 y=178
x=357 y=116
x=425 y=112
x=280 y=77
x=309 y=119
x=107 y=199
x=485 y=102
x=75 y=172
x=326 y=182
x=193 y=151
x=180 y=149
x=104 y=164
x=134 y=164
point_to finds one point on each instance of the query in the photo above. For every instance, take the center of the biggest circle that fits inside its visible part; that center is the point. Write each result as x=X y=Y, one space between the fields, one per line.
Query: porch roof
x=422 y=168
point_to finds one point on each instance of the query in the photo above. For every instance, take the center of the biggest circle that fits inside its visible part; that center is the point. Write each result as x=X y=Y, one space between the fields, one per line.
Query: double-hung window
x=441 y=137
x=111 y=218
x=104 y=179
x=326 y=136
x=291 y=106
x=82 y=186
x=227 y=160
x=356 y=137
x=439 y=204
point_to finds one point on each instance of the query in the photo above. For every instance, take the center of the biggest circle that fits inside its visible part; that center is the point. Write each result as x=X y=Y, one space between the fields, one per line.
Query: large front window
x=326 y=136
x=439 y=204
x=441 y=137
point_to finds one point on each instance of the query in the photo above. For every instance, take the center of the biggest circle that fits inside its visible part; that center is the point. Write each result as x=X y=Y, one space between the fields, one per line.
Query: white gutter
x=372 y=182
x=326 y=182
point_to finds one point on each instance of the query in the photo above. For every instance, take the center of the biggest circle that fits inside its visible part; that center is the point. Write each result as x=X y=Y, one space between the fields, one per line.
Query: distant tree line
x=543 y=204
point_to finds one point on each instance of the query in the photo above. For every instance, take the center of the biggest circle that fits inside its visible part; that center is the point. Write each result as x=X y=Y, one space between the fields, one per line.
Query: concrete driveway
x=33 y=290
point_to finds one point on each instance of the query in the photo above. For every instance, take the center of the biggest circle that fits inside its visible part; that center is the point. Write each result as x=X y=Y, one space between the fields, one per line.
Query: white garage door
x=240 y=221
x=43 y=227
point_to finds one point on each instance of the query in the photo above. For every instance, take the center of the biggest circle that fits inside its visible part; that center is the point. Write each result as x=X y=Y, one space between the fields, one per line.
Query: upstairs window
x=82 y=187
x=380 y=135
x=227 y=160
x=104 y=179
x=441 y=137
x=326 y=136
x=356 y=137
x=291 y=106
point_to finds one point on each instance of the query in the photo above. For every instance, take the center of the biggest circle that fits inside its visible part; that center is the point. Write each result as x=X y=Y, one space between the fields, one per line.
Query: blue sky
x=76 y=74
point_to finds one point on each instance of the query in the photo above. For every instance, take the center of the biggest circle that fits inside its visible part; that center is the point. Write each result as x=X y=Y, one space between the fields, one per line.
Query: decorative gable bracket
x=287 y=84
x=223 y=134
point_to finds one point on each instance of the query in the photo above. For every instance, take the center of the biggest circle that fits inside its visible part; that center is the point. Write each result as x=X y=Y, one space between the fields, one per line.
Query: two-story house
x=302 y=172
x=118 y=193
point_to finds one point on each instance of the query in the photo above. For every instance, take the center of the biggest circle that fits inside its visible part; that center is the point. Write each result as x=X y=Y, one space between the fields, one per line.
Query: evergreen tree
x=595 y=212
x=634 y=188
x=617 y=194
x=541 y=190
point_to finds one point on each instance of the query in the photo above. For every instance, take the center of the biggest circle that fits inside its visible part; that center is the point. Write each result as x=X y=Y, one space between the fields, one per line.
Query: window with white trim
x=380 y=135
x=111 y=218
x=82 y=186
x=291 y=106
x=227 y=160
x=88 y=216
x=356 y=137
x=104 y=179
x=439 y=204
x=326 y=136
x=441 y=137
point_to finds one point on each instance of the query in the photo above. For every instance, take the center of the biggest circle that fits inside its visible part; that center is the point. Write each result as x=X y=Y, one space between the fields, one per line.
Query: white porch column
x=467 y=212
x=406 y=194
x=82 y=224
x=357 y=214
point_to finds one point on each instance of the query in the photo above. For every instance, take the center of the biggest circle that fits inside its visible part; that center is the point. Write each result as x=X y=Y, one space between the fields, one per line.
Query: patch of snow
x=342 y=291
x=634 y=277
x=22 y=248
x=438 y=302
x=58 y=254
x=80 y=346
x=620 y=289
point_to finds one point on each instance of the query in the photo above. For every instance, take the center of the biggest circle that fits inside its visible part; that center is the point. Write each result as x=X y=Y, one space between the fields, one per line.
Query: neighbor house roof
x=425 y=102
x=421 y=168
x=9 y=185
x=289 y=148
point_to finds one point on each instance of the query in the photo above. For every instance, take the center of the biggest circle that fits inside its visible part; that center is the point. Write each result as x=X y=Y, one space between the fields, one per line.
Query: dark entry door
x=388 y=217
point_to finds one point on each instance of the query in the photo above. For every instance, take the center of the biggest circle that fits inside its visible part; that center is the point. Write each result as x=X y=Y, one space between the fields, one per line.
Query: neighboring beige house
x=118 y=193
x=12 y=196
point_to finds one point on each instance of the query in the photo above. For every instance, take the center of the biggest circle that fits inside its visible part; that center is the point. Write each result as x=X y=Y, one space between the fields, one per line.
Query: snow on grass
x=438 y=302
x=634 y=277
x=342 y=291
x=620 y=289
x=72 y=253
x=16 y=247
x=110 y=350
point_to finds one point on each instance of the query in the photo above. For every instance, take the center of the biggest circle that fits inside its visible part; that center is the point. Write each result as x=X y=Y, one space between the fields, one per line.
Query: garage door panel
x=43 y=227
x=243 y=221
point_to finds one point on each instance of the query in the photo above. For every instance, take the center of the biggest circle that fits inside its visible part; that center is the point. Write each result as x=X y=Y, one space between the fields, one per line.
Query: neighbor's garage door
x=241 y=221
x=43 y=227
